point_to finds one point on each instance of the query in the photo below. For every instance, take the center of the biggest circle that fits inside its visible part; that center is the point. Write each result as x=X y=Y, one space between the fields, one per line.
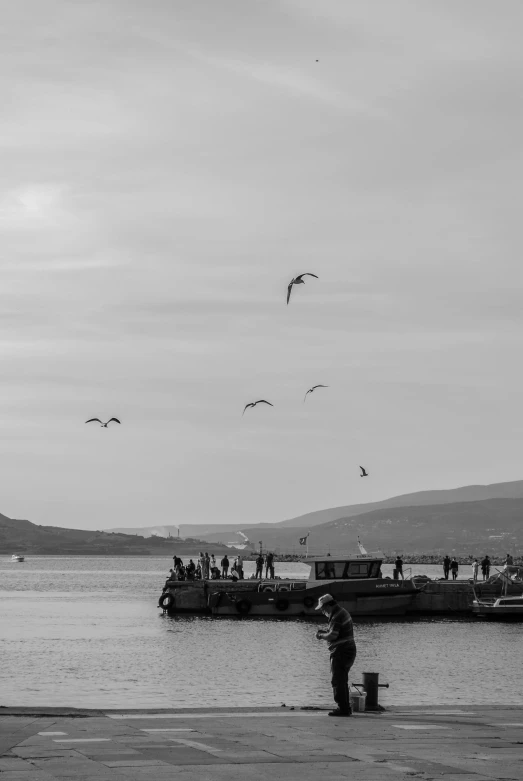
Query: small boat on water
x=16 y=558
x=502 y=609
x=355 y=581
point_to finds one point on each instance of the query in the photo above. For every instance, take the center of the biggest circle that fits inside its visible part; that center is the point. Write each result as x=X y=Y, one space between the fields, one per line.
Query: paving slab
x=461 y=744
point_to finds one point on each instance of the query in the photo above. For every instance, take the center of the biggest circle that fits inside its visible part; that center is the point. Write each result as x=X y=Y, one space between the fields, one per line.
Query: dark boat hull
x=394 y=605
x=491 y=613
x=289 y=599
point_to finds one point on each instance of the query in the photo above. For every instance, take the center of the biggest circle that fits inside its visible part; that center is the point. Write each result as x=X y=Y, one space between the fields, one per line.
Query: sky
x=169 y=167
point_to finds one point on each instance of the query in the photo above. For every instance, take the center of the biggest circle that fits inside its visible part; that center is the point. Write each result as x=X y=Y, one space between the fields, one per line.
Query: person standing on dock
x=446 y=567
x=340 y=637
x=485 y=568
x=475 y=570
x=454 y=566
x=225 y=567
x=269 y=566
x=509 y=561
x=206 y=566
x=259 y=566
x=239 y=567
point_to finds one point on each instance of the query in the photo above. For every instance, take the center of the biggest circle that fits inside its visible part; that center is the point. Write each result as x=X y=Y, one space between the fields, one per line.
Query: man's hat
x=324 y=600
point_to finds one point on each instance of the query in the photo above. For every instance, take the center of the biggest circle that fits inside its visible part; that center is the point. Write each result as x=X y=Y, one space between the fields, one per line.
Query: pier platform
x=465 y=743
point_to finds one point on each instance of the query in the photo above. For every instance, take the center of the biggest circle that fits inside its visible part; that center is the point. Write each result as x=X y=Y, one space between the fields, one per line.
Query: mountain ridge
x=227 y=531
x=458 y=527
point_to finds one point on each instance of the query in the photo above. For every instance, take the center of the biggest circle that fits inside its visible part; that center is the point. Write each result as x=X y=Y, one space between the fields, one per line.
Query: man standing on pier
x=340 y=637
x=269 y=565
x=259 y=566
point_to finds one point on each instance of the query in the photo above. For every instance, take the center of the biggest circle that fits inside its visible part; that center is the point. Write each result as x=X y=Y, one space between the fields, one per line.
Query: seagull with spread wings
x=298 y=281
x=103 y=425
x=363 y=472
x=313 y=388
x=254 y=403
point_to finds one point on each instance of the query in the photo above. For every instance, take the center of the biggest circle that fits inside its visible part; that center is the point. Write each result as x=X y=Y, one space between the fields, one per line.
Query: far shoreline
x=408 y=559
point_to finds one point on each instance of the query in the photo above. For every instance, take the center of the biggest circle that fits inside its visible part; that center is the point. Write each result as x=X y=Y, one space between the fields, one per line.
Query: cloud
x=288 y=80
x=32 y=206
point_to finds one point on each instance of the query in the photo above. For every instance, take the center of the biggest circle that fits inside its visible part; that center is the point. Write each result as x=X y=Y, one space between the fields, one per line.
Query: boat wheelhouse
x=356 y=567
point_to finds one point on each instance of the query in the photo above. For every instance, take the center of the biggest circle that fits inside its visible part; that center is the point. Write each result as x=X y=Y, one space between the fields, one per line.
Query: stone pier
x=262 y=744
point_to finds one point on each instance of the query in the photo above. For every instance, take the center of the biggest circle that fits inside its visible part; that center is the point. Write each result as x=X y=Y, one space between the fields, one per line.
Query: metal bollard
x=371 y=686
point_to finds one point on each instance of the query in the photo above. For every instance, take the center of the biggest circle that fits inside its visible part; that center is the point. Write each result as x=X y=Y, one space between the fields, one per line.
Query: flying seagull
x=313 y=387
x=254 y=403
x=104 y=425
x=363 y=472
x=298 y=281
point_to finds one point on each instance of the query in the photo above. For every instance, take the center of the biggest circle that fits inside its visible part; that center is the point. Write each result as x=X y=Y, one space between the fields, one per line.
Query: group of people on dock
x=206 y=568
x=452 y=566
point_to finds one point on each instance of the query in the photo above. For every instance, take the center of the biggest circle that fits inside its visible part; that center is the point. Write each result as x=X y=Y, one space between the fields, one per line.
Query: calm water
x=85 y=631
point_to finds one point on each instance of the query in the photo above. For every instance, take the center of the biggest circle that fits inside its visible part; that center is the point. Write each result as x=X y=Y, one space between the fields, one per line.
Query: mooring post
x=371 y=686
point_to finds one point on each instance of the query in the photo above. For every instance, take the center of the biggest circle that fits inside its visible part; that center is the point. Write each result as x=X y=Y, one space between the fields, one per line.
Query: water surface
x=86 y=631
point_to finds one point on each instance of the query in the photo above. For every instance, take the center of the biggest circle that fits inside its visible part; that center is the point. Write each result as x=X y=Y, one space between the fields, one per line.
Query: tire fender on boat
x=281 y=604
x=309 y=601
x=243 y=607
x=166 y=601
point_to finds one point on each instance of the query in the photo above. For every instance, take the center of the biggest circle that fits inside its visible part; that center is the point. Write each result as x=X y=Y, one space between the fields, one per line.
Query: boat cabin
x=358 y=566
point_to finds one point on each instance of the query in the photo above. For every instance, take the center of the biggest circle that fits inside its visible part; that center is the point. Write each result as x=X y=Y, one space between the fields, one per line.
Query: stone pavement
x=454 y=743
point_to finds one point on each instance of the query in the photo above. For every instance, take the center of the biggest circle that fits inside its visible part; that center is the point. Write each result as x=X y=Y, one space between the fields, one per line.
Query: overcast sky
x=168 y=167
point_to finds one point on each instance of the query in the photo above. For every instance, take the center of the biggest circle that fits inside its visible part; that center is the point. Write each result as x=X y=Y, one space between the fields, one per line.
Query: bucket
x=357 y=700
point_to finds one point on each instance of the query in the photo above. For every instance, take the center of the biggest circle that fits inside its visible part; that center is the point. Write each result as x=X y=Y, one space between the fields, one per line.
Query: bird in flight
x=298 y=281
x=313 y=387
x=363 y=472
x=254 y=403
x=104 y=425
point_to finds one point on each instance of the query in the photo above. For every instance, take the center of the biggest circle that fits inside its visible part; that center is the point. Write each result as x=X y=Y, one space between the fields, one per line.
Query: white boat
x=15 y=557
x=504 y=608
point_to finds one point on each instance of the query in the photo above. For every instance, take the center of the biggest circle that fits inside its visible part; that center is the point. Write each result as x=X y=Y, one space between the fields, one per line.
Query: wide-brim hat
x=324 y=600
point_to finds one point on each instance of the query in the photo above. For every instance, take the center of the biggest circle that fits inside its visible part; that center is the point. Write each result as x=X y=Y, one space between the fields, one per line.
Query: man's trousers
x=342 y=659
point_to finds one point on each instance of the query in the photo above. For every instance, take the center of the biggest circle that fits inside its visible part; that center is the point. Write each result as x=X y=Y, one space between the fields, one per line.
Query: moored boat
x=355 y=581
x=501 y=609
x=16 y=558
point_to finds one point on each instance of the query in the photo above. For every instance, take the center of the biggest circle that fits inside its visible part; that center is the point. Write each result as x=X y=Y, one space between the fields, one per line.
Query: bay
x=86 y=632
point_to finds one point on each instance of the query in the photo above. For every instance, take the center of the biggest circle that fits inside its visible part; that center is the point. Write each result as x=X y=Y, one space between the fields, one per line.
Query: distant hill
x=21 y=536
x=229 y=532
x=200 y=531
x=147 y=531
x=468 y=493
x=492 y=525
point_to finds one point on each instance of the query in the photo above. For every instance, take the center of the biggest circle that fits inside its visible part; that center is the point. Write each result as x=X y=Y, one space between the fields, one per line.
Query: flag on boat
x=362 y=549
x=303 y=540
